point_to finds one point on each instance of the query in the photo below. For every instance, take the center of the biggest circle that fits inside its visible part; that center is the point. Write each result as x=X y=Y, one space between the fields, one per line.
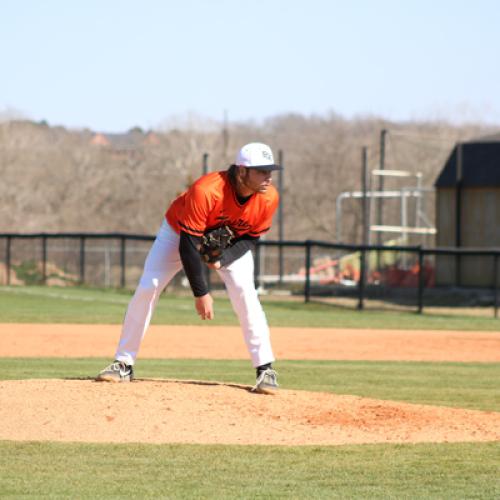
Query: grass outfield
x=458 y=470
x=71 y=470
x=57 y=470
x=107 y=306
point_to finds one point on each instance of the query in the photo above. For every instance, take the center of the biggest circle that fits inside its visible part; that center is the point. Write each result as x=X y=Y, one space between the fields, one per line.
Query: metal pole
x=418 y=207
x=122 y=261
x=404 y=215
x=7 y=258
x=82 y=259
x=364 y=187
x=362 y=272
x=418 y=201
x=307 y=288
x=458 y=212
x=280 y=216
x=362 y=256
x=366 y=217
x=421 y=281
x=44 y=259
x=205 y=164
x=404 y=224
x=380 y=213
x=338 y=217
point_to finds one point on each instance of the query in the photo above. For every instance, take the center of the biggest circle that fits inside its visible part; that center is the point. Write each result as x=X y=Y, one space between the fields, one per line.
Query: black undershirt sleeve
x=194 y=267
x=240 y=247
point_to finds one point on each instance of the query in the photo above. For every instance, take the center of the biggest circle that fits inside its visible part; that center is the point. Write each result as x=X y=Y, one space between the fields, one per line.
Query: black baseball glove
x=214 y=243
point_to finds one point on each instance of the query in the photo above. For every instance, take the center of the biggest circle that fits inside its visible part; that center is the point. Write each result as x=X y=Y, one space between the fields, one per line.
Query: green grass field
x=54 y=470
x=73 y=470
x=84 y=305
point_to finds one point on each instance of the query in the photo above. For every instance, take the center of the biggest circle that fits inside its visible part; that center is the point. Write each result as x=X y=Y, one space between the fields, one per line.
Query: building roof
x=488 y=138
x=480 y=164
x=131 y=140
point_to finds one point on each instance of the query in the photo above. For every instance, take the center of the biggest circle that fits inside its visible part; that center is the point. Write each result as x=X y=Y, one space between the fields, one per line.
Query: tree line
x=59 y=180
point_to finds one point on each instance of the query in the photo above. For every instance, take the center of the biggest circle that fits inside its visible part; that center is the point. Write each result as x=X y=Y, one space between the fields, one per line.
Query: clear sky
x=110 y=65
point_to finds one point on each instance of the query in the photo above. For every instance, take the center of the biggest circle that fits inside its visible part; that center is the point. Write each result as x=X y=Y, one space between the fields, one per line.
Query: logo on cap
x=267 y=155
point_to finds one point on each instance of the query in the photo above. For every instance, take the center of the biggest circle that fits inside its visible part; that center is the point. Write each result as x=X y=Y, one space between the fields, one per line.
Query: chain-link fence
x=353 y=276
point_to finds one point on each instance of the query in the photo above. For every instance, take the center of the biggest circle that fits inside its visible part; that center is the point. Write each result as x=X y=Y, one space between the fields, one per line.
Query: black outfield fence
x=356 y=275
x=33 y=257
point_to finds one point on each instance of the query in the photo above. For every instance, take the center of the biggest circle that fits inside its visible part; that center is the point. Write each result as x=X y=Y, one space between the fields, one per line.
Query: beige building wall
x=480 y=229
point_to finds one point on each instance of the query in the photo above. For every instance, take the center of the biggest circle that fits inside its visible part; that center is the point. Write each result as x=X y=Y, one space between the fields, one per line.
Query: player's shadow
x=79 y=378
x=241 y=387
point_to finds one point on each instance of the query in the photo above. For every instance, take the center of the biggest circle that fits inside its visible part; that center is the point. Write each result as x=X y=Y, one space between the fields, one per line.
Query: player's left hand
x=214 y=242
x=214 y=265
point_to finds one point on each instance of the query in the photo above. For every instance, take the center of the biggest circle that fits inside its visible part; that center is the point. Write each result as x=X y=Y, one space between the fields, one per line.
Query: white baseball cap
x=256 y=155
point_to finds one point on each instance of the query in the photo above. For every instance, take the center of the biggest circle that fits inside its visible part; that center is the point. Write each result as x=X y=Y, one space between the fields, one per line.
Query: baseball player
x=241 y=198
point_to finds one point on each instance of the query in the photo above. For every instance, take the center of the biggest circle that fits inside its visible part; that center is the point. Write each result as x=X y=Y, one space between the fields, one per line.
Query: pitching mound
x=169 y=411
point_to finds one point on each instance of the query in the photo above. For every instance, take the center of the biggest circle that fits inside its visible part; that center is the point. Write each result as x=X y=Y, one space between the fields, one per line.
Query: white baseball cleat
x=117 y=371
x=266 y=382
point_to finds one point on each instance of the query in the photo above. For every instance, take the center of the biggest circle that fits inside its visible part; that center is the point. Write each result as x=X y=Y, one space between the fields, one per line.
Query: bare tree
x=55 y=179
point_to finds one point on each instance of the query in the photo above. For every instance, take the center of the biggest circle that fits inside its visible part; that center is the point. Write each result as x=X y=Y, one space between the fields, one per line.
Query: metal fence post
x=82 y=260
x=424 y=276
x=362 y=277
x=44 y=259
x=421 y=280
x=307 y=288
x=366 y=207
x=280 y=217
x=380 y=210
x=7 y=258
x=458 y=211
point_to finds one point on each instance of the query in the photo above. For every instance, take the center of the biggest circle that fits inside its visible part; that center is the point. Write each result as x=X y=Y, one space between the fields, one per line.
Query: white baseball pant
x=162 y=264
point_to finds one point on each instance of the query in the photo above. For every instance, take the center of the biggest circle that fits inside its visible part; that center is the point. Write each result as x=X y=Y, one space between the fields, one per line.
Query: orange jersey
x=211 y=202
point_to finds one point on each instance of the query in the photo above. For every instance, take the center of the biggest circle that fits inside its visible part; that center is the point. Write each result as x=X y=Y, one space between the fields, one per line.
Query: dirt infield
x=226 y=342
x=196 y=412
x=168 y=411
